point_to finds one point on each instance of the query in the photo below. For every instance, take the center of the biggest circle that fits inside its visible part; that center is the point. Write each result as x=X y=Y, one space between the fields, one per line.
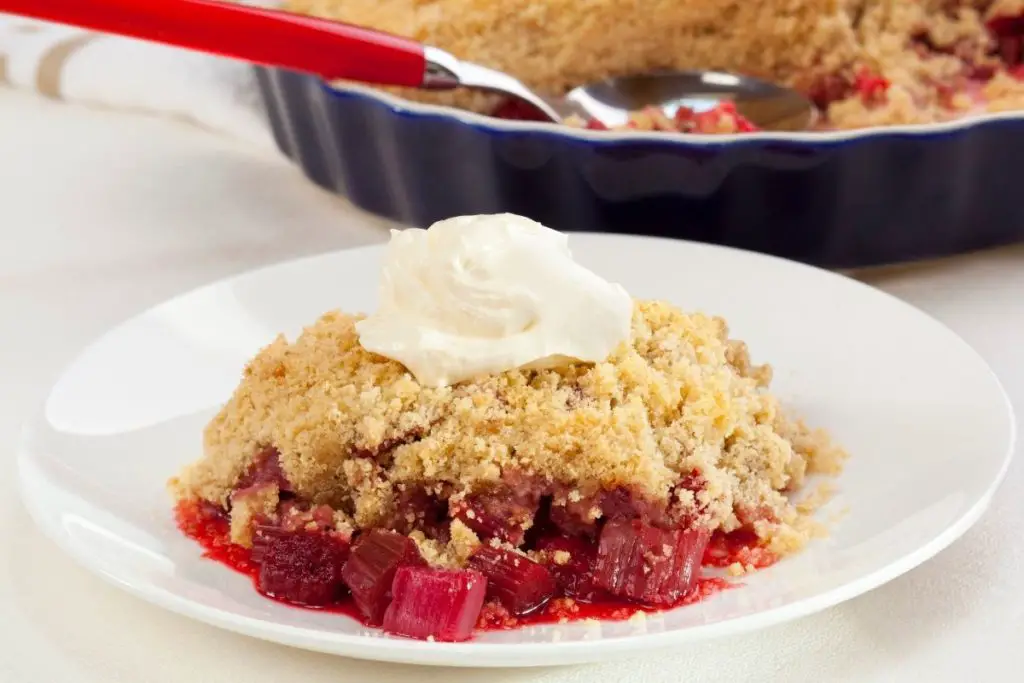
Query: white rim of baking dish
x=406 y=107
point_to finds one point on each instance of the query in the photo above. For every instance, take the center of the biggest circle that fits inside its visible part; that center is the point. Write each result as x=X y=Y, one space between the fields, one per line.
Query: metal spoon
x=766 y=105
x=335 y=51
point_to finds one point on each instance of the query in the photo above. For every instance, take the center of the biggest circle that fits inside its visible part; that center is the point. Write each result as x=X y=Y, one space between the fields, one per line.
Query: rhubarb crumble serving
x=862 y=62
x=547 y=448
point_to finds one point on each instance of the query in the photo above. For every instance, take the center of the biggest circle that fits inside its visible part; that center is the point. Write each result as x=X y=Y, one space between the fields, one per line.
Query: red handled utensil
x=329 y=49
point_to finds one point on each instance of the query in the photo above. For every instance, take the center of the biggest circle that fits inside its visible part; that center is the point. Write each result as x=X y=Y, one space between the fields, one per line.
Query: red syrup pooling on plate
x=738 y=547
x=564 y=610
x=209 y=526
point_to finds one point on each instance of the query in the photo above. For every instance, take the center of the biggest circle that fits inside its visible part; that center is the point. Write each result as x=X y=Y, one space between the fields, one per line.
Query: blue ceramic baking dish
x=842 y=200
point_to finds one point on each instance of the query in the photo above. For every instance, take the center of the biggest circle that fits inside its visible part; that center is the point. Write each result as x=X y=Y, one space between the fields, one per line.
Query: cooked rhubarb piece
x=571 y=561
x=722 y=118
x=316 y=518
x=371 y=569
x=517 y=110
x=436 y=604
x=574 y=519
x=265 y=469
x=1008 y=32
x=1007 y=25
x=503 y=514
x=416 y=509
x=829 y=88
x=263 y=536
x=303 y=567
x=519 y=583
x=647 y=564
x=581 y=516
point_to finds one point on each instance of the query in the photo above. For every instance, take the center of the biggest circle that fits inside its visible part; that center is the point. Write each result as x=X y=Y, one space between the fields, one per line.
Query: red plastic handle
x=329 y=49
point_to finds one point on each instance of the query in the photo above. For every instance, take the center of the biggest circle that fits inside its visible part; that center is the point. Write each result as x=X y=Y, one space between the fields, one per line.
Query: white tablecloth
x=102 y=215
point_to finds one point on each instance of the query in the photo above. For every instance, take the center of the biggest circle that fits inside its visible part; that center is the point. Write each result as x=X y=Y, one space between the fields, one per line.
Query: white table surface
x=103 y=215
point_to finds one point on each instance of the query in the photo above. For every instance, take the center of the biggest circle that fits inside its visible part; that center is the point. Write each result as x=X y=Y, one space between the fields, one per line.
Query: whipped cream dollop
x=478 y=295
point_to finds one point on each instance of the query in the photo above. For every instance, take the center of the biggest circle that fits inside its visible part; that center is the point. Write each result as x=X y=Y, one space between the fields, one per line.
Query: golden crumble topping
x=919 y=49
x=247 y=506
x=354 y=430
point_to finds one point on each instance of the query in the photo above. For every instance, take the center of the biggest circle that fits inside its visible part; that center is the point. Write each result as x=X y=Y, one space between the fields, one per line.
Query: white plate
x=929 y=427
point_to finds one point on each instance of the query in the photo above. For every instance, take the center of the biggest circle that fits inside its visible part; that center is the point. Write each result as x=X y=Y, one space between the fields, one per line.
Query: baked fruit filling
x=337 y=481
x=862 y=62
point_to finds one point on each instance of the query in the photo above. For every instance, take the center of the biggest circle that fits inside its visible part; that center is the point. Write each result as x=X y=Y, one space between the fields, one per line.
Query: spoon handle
x=331 y=50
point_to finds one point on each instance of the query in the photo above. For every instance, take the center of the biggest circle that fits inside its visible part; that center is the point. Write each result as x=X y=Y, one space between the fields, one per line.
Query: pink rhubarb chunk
x=371 y=568
x=575 y=578
x=504 y=514
x=265 y=469
x=436 y=604
x=646 y=564
x=519 y=583
x=303 y=567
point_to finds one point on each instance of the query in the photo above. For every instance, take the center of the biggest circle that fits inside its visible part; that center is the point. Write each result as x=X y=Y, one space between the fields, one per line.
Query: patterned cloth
x=73 y=65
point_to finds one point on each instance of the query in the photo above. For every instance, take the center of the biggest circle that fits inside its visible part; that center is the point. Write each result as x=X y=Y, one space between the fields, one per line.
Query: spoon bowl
x=611 y=102
x=766 y=105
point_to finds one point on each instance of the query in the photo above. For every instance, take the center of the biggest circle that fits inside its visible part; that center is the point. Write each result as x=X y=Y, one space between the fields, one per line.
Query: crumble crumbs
x=248 y=505
x=865 y=62
x=463 y=543
x=355 y=431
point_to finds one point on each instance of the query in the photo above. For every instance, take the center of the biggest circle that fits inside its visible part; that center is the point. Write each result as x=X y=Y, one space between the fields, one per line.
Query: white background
x=103 y=215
